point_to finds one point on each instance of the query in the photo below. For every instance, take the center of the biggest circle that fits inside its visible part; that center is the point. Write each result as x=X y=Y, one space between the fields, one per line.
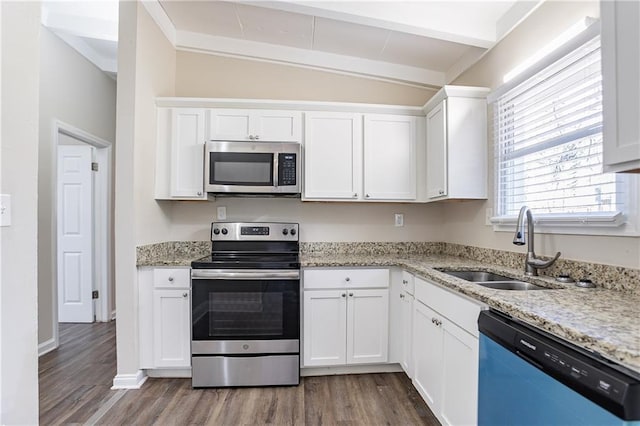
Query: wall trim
x=46 y=347
x=351 y=369
x=129 y=381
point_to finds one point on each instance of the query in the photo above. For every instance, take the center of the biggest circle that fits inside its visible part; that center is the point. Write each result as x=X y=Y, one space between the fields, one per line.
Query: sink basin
x=510 y=285
x=477 y=276
x=491 y=280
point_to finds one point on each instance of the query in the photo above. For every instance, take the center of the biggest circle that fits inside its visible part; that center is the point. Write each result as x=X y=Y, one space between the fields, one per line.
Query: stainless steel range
x=245 y=307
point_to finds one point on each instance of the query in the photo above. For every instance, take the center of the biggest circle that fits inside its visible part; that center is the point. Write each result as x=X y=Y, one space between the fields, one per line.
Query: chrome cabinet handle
x=251 y=137
x=367 y=195
x=347 y=279
x=441 y=192
x=170 y=279
x=256 y=137
x=344 y=295
x=355 y=195
x=185 y=294
x=405 y=282
x=402 y=296
x=350 y=294
x=199 y=194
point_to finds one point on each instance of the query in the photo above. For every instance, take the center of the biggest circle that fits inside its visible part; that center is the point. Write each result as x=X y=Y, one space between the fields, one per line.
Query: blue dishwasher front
x=527 y=377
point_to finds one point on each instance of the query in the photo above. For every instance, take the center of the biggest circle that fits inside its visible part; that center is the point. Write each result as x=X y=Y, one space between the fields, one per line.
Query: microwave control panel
x=287 y=169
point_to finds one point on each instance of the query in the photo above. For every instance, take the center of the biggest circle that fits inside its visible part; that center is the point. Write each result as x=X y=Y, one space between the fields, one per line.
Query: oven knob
x=285 y=231
x=216 y=231
x=224 y=231
x=293 y=231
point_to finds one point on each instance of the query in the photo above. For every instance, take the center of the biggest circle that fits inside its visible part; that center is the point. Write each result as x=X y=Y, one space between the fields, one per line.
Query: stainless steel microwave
x=258 y=168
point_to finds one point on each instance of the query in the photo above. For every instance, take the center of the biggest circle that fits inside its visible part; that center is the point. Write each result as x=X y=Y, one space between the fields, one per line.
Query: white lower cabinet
x=445 y=353
x=164 y=299
x=346 y=317
x=406 y=323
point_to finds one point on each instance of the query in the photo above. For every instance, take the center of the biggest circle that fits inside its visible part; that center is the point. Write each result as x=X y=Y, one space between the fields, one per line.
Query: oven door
x=245 y=311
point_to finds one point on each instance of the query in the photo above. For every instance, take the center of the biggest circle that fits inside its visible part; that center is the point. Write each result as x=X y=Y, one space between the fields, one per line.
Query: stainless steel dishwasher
x=529 y=377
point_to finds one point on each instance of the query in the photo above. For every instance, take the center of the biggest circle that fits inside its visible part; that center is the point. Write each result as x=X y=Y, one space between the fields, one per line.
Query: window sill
x=610 y=224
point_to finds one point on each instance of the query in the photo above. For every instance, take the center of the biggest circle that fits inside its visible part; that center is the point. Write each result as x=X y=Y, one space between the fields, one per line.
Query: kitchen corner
x=602 y=320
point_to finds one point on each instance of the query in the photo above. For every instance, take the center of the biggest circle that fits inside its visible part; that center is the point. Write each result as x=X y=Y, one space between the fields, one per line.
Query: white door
x=187 y=153
x=325 y=317
x=427 y=355
x=367 y=326
x=171 y=328
x=407 y=332
x=278 y=126
x=437 y=151
x=75 y=239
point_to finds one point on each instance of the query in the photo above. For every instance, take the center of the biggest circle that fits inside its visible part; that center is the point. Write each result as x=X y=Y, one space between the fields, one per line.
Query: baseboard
x=46 y=347
x=113 y=315
x=351 y=369
x=183 y=373
x=129 y=381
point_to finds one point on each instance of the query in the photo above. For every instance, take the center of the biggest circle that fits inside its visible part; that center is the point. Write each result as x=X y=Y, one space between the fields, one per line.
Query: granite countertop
x=601 y=320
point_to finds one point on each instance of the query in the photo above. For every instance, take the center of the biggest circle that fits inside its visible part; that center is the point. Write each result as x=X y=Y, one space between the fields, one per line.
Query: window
x=548 y=144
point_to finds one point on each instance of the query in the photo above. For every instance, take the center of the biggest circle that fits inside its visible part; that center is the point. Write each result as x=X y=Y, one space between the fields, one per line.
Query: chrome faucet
x=532 y=263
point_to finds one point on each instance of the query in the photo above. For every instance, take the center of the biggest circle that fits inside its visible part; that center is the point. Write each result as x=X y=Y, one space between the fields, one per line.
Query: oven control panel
x=243 y=231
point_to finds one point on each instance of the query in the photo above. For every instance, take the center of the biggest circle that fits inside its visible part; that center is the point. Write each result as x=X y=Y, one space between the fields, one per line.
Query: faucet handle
x=538 y=263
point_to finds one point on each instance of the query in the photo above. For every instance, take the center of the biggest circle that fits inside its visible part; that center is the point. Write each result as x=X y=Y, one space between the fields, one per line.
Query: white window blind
x=548 y=141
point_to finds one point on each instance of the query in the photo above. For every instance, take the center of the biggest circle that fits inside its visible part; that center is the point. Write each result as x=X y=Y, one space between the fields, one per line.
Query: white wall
x=18 y=176
x=465 y=223
x=76 y=92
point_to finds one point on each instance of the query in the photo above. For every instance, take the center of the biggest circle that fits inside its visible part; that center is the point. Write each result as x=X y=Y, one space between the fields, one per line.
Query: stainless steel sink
x=510 y=285
x=491 y=280
x=477 y=276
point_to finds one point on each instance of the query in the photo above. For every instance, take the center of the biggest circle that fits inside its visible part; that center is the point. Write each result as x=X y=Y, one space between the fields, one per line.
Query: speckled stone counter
x=172 y=253
x=601 y=320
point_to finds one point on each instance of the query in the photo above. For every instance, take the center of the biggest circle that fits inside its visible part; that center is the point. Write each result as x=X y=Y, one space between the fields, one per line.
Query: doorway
x=83 y=290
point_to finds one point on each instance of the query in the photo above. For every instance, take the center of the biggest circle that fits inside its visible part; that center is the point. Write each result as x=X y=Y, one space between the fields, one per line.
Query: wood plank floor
x=75 y=383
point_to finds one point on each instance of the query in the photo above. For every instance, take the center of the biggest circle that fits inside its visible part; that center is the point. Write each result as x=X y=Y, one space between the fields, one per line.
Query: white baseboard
x=113 y=315
x=46 y=347
x=129 y=381
x=351 y=369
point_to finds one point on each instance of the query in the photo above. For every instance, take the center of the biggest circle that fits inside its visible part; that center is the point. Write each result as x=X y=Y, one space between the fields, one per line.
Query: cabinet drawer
x=343 y=278
x=458 y=309
x=171 y=277
x=407 y=282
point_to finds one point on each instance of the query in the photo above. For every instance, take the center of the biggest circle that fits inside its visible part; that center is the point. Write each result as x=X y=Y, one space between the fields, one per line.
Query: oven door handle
x=245 y=274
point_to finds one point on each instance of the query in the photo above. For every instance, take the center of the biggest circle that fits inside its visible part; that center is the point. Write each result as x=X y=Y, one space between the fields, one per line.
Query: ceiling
x=424 y=43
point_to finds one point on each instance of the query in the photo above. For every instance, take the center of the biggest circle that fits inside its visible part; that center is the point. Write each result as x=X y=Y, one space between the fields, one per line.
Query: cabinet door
x=389 y=157
x=325 y=325
x=621 y=85
x=459 y=376
x=427 y=355
x=407 y=333
x=277 y=126
x=367 y=326
x=437 y=151
x=333 y=149
x=171 y=328
x=187 y=153
x=230 y=125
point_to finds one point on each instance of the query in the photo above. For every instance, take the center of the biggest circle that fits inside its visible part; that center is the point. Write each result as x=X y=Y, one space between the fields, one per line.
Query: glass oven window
x=245 y=310
x=233 y=168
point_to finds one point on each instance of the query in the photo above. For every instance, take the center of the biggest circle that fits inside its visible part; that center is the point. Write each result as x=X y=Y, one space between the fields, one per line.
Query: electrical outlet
x=222 y=213
x=5 y=210
x=399 y=219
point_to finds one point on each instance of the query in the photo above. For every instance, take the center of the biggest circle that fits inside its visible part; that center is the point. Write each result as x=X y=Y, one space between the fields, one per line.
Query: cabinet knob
x=344 y=295
x=402 y=296
x=199 y=194
x=441 y=192
x=405 y=282
x=251 y=137
x=256 y=137
x=355 y=195
x=170 y=279
x=350 y=294
x=367 y=195
x=185 y=294
x=347 y=279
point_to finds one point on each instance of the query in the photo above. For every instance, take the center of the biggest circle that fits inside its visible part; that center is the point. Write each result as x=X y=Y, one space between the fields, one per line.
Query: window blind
x=548 y=140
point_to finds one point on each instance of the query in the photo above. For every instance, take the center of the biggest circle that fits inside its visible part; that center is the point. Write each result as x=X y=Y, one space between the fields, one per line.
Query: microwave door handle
x=275 y=169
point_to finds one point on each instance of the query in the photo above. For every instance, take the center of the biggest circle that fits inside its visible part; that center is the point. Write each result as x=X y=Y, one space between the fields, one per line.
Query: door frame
x=102 y=223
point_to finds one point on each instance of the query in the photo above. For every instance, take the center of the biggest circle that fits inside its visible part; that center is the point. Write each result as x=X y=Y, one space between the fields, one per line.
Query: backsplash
x=605 y=276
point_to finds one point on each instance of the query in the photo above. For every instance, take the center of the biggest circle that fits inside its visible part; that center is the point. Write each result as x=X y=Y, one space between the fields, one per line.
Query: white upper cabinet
x=180 y=154
x=255 y=125
x=332 y=147
x=456 y=121
x=621 y=85
x=389 y=157
x=360 y=157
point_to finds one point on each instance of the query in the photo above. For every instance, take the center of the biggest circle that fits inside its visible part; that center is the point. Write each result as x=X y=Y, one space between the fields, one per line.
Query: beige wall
x=146 y=62
x=20 y=25
x=76 y=92
x=466 y=222
x=209 y=76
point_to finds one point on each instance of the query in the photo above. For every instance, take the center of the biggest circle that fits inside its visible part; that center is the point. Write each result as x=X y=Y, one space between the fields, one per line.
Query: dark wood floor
x=75 y=383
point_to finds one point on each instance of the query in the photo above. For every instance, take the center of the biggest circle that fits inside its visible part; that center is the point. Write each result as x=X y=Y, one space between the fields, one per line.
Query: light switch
x=5 y=210
x=399 y=219
x=222 y=213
